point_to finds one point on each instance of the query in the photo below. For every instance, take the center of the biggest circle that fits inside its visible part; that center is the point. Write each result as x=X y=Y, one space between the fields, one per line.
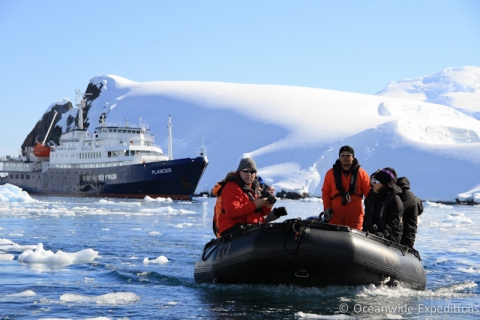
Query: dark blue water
x=132 y=279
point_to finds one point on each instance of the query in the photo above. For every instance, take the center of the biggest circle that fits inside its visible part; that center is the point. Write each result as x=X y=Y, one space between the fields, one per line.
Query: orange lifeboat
x=41 y=150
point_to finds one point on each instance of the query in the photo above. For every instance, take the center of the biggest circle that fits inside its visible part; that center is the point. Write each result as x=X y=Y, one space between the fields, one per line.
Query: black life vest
x=337 y=173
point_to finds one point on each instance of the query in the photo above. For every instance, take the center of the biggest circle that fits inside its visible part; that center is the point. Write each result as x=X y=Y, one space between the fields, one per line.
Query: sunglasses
x=373 y=181
x=346 y=155
x=249 y=171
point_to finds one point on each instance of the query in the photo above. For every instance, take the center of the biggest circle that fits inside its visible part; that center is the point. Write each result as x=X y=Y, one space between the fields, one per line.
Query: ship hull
x=176 y=179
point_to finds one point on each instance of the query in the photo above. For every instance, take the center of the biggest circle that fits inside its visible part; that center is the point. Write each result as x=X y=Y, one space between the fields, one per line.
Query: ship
x=116 y=160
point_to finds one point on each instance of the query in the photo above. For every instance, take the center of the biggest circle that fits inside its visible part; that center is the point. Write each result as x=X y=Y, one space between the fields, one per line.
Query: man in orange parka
x=343 y=189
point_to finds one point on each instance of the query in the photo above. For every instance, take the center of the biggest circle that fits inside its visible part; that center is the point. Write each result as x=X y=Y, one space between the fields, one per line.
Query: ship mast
x=80 y=103
x=170 y=156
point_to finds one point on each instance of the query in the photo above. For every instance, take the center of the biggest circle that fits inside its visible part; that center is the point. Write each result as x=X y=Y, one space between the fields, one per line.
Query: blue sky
x=50 y=48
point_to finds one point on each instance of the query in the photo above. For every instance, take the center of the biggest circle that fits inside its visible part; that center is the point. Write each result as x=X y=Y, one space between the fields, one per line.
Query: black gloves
x=327 y=215
x=280 y=211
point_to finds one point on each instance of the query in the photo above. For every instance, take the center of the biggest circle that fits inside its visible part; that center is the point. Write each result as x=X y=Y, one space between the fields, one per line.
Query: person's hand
x=327 y=215
x=280 y=211
x=260 y=202
x=272 y=191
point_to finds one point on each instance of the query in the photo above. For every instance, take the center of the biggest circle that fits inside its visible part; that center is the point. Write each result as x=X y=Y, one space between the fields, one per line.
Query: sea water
x=141 y=253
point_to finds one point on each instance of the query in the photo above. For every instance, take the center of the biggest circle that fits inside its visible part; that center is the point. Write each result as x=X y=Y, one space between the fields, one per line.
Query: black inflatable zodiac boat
x=308 y=253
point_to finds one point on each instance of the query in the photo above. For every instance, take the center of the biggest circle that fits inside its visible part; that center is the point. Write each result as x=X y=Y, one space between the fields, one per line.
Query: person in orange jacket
x=242 y=202
x=343 y=190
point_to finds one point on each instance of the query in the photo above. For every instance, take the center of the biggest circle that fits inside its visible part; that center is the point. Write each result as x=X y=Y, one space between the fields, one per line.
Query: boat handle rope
x=414 y=252
x=298 y=235
x=208 y=246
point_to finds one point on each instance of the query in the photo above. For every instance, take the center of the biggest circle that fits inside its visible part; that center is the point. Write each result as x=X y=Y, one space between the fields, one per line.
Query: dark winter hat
x=385 y=177
x=391 y=170
x=347 y=148
x=247 y=163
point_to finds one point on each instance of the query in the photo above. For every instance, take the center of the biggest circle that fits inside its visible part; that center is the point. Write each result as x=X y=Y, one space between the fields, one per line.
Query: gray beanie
x=246 y=163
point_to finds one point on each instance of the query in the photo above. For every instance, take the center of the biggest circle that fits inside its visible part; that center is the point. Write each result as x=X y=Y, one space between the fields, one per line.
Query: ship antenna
x=170 y=138
x=202 y=150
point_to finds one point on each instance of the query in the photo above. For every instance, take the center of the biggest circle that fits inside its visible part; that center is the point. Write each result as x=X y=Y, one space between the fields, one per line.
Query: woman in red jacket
x=241 y=199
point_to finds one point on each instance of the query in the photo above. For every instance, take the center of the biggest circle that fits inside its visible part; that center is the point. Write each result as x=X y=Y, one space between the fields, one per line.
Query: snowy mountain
x=294 y=133
x=454 y=87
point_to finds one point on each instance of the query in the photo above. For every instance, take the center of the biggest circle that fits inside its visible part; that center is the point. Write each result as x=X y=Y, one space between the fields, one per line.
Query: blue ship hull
x=176 y=179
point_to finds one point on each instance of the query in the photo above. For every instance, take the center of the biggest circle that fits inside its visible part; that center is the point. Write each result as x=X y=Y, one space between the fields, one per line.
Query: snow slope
x=454 y=87
x=294 y=133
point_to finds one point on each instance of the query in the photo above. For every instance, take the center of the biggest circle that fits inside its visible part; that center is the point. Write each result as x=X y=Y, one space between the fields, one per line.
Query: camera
x=266 y=194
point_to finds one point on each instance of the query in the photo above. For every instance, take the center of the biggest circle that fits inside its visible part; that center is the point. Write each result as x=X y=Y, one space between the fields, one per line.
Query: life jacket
x=217 y=192
x=337 y=173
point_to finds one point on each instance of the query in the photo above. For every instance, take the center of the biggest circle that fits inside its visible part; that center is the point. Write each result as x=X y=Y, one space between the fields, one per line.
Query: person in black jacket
x=384 y=208
x=411 y=210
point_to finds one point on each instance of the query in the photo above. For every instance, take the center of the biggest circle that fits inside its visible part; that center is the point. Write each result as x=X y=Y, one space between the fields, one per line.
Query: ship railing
x=150 y=158
x=127 y=124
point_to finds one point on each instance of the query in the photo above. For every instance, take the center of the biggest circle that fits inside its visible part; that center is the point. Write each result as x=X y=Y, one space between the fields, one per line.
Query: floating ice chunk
x=182 y=225
x=26 y=293
x=123 y=203
x=60 y=258
x=471 y=195
x=159 y=199
x=118 y=298
x=159 y=260
x=6 y=256
x=301 y=314
x=6 y=241
x=11 y=193
x=8 y=245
